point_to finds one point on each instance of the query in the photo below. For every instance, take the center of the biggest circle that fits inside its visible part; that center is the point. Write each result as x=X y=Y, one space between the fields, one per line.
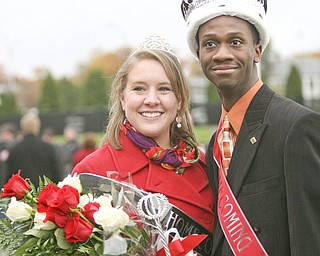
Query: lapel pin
x=253 y=140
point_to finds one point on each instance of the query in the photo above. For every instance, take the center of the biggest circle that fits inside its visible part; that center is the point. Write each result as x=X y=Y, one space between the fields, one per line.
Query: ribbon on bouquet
x=180 y=246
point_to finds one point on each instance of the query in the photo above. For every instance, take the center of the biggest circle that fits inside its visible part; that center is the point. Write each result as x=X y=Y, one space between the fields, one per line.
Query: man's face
x=228 y=53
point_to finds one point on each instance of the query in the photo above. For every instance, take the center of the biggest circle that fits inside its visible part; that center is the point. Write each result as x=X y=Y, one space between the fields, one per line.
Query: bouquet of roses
x=59 y=219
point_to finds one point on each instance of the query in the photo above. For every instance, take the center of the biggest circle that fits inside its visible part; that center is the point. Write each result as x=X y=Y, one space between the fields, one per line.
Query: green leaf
x=98 y=249
x=47 y=180
x=11 y=234
x=145 y=237
x=26 y=247
x=38 y=233
x=61 y=240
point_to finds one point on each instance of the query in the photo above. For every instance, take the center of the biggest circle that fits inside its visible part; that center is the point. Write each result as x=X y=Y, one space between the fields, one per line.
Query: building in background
x=309 y=69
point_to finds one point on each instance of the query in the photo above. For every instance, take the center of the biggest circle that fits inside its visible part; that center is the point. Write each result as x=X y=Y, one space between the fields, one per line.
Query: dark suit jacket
x=35 y=158
x=277 y=179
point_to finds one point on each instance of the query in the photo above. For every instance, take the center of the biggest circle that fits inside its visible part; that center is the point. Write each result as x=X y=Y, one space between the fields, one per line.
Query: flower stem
x=82 y=216
x=97 y=238
x=29 y=196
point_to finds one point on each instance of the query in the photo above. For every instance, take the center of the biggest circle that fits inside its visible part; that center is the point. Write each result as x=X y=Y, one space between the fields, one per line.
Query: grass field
x=203 y=134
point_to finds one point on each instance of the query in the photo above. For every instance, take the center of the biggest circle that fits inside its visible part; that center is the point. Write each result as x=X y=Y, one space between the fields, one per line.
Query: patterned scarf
x=177 y=159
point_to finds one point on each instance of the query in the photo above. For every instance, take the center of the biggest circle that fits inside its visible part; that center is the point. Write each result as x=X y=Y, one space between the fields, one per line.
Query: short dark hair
x=255 y=33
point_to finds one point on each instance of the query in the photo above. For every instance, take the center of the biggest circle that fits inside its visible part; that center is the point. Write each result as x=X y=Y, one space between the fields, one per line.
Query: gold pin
x=253 y=140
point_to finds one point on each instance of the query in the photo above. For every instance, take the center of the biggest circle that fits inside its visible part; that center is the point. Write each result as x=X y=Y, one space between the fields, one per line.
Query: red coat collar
x=133 y=160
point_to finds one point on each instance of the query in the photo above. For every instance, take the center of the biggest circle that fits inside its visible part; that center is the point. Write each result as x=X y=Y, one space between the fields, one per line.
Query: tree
x=69 y=94
x=212 y=93
x=294 y=85
x=8 y=104
x=108 y=63
x=214 y=104
x=49 y=99
x=266 y=63
x=95 y=89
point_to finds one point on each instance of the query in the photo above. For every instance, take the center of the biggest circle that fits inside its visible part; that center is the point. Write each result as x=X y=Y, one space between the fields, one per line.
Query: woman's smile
x=151 y=114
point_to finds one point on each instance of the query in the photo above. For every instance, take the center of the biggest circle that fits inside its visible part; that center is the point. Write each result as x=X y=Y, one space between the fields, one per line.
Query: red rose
x=56 y=216
x=66 y=198
x=77 y=229
x=16 y=186
x=56 y=203
x=133 y=216
x=47 y=196
x=89 y=209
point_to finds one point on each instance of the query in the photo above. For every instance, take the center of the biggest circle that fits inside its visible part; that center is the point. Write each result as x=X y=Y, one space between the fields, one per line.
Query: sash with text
x=235 y=226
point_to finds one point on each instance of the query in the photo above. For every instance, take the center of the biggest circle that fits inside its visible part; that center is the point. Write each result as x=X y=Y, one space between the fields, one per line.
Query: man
x=267 y=190
x=32 y=155
x=69 y=148
x=8 y=138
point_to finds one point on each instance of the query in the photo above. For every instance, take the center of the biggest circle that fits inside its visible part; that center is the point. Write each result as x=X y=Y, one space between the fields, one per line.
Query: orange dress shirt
x=238 y=110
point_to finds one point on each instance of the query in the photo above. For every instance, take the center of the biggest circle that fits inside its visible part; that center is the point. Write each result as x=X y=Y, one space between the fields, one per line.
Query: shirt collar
x=238 y=110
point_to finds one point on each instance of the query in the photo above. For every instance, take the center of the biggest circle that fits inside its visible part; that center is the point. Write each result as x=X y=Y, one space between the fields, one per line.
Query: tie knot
x=226 y=123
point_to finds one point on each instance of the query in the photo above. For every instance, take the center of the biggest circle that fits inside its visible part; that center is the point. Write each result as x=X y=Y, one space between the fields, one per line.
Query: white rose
x=85 y=199
x=39 y=224
x=18 y=211
x=111 y=218
x=104 y=200
x=73 y=181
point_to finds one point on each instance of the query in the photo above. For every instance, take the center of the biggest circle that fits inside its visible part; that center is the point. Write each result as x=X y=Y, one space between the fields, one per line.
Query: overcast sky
x=61 y=34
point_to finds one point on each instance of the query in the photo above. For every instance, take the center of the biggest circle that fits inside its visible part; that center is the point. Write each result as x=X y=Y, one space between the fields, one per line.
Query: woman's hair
x=179 y=85
x=89 y=140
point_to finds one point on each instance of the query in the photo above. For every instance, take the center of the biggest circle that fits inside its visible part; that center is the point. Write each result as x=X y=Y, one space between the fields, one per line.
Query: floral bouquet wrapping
x=64 y=219
x=94 y=215
x=172 y=232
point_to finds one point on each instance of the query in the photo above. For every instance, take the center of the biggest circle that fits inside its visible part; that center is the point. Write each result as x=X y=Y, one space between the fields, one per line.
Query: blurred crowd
x=33 y=150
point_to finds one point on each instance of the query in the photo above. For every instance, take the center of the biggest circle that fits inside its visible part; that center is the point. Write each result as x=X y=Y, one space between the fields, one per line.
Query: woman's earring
x=178 y=120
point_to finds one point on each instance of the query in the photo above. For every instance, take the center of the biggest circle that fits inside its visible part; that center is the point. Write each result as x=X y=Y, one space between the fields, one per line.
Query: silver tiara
x=156 y=42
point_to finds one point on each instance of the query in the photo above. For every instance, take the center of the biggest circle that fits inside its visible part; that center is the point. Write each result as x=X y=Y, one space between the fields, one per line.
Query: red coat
x=80 y=154
x=190 y=192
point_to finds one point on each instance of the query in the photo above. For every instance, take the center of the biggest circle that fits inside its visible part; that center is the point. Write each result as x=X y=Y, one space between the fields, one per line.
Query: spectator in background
x=8 y=138
x=47 y=135
x=70 y=146
x=89 y=145
x=8 y=135
x=32 y=155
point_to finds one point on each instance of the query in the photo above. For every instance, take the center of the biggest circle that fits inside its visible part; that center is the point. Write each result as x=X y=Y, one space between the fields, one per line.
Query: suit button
x=207 y=218
x=256 y=228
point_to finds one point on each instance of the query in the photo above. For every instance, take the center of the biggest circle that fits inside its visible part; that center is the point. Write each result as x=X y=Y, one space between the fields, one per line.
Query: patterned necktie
x=226 y=143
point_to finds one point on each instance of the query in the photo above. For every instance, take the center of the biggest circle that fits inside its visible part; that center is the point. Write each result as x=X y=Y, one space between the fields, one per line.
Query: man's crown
x=188 y=6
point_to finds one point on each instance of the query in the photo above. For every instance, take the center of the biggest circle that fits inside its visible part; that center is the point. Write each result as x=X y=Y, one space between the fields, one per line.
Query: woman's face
x=149 y=102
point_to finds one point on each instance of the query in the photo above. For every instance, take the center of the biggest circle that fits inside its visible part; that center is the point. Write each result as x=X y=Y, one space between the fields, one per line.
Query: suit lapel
x=249 y=139
x=250 y=136
x=211 y=166
x=247 y=144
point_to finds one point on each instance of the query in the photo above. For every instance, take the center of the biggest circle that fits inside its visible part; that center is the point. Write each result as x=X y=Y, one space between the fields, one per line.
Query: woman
x=89 y=145
x=150 y=137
